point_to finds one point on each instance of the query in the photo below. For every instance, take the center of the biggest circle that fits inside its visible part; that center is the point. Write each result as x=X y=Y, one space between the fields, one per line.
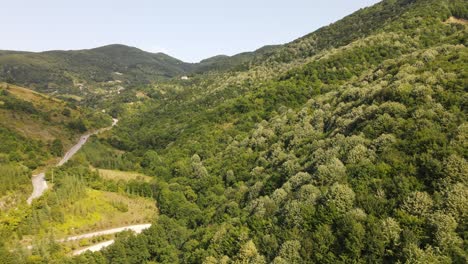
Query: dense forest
x=348 y=145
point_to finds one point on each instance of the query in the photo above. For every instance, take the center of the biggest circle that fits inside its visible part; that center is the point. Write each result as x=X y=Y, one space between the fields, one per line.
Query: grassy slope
x=117 y=175
x=100 y=210
x=29 y=118
x=49 y=127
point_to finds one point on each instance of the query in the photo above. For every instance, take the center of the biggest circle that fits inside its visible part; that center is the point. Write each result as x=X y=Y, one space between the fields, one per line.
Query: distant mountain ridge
x=51 y=70
x=67 y=72
x=63 y=69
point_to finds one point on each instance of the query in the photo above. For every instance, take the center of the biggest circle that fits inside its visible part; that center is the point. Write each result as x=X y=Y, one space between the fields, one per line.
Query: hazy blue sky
x=189 y=30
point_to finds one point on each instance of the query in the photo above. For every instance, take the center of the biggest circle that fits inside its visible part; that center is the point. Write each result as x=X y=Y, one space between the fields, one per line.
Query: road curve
x=38 y=181
x=135 y=228
x=39 y=184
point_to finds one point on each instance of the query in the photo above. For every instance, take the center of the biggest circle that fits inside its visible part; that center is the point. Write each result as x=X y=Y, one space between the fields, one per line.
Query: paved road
x=73 y=150
x=94 y=248
x=39 y=184
x=38 y=181
x=135 y=228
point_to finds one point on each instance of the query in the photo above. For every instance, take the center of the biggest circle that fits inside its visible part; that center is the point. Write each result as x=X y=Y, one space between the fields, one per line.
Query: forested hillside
x=348 y=145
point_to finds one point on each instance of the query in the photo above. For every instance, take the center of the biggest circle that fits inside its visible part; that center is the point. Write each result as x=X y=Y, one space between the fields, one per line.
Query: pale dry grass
x=31 y=126
x=99 y=210
x=141 y=95
x=123 y=175
x=454 y=20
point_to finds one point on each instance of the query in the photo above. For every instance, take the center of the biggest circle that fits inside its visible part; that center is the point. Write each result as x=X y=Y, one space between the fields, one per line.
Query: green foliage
x=14 y=104
x=13 y=177
x=341 y=159
x=56 y=147
x=77 y=125
x=101 y=155
x=16 y=148
x=350 y=148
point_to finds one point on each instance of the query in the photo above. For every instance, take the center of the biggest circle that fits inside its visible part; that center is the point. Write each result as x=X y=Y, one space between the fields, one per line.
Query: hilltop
x=74 y=72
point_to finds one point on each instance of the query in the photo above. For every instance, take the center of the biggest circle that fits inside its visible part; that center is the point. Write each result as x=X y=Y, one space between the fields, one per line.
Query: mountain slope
x=238 y=62
x=357 y=155
x=119 y=66
x=350 y=148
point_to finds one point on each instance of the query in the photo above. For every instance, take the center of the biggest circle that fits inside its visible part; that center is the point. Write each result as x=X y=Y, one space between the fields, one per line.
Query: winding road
x=38 y=181
x=40 y=185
